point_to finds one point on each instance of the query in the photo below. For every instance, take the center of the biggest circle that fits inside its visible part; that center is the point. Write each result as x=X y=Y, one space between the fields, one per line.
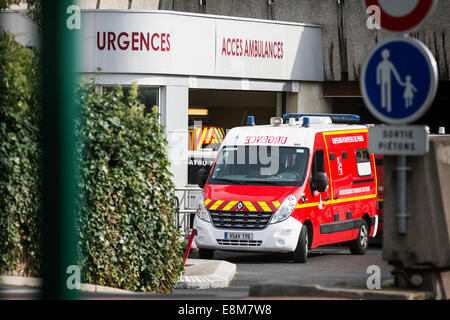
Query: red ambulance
x=290 y=187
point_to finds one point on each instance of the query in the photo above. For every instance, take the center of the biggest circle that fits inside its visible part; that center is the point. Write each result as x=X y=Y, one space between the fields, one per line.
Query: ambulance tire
x=205 y=253
x=360 y=244
x=301 y=252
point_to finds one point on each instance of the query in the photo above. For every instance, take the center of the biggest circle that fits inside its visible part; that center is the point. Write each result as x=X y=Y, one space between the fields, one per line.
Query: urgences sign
x=136 y=41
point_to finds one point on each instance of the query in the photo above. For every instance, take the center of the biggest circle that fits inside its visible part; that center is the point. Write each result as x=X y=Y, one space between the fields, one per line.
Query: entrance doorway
x=212 y=112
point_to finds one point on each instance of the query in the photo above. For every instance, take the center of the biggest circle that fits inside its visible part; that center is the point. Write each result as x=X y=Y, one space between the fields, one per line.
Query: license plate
x=238 y=236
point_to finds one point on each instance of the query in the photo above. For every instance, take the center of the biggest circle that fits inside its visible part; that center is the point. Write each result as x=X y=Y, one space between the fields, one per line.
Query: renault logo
x=240 y=205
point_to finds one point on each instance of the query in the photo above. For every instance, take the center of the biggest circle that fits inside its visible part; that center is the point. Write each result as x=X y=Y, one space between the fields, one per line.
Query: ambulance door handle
x=326 y=199
x=335 y=197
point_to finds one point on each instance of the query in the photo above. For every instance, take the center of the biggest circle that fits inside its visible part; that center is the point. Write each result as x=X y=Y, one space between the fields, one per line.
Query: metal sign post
x=398 y=83
x=400 y=141
x=401 y=194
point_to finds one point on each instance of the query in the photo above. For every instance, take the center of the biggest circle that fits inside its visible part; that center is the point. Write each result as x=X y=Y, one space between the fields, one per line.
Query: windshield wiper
x=274 y=183
x=229 y=180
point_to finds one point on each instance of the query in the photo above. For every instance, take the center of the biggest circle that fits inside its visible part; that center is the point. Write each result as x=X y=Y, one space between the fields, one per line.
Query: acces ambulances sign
x=252 y=48
x=159 y=42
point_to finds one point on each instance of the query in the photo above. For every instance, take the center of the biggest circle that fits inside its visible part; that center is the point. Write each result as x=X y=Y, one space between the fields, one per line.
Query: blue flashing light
x=305 y=122
x=335 y=117
x=250 y=120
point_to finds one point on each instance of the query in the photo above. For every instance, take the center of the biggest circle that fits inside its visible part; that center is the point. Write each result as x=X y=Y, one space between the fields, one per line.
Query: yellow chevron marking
x=276 y=204
x=264 y=206
x=249 y=205
x=199 y=147
x=216 y=204
x=207 y=201
x=229 y=205
x=208 y=136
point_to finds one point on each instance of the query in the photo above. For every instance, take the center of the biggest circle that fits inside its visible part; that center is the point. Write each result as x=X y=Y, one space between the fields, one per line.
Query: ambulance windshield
x=260 y=165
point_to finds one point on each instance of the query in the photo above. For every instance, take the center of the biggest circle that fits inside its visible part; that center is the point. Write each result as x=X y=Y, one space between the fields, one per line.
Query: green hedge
x=128 y=236
x=19 y=159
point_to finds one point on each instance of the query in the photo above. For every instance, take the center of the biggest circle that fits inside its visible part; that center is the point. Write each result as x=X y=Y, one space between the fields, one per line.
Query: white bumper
x=278 y=237
x=375 y=227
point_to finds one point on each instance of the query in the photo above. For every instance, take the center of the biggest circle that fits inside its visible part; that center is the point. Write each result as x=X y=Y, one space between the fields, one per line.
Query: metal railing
x=186 y=204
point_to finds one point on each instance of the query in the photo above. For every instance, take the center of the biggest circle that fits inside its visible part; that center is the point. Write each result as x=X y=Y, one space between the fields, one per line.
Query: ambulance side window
x=318 y=163
x=363 y=163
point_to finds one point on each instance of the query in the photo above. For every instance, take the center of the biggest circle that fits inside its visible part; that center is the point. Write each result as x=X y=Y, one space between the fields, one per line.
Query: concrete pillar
x=279 y=104
x=174 y=118
x=421 y=256
x=308 y=99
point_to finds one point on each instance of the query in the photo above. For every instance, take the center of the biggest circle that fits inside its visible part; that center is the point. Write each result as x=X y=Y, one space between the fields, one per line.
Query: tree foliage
x=19 y=159
x=128 y=236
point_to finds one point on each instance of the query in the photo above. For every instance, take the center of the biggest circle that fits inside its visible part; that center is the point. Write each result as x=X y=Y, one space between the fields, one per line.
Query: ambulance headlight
x=202 y=213
x=285 y=210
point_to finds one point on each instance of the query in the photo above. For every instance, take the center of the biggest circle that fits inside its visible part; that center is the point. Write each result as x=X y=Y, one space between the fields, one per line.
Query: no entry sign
x=401 y=16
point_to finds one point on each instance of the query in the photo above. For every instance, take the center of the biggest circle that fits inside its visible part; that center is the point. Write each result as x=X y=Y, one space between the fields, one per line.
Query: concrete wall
x=309 y=99
x=347 y=40
x=119 y=4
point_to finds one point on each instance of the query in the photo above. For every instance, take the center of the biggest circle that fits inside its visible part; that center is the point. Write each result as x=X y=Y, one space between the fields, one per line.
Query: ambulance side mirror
x=321 y=181
x=202 y=177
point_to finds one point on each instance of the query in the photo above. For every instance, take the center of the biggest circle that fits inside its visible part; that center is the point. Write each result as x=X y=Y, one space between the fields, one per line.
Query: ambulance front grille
x=239 y=243
x=240 y=219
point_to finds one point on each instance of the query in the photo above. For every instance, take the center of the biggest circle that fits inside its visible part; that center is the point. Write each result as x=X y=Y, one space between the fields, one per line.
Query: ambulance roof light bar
x=250 y=120
x=335 y=117
x=276 y=121
x=307 y=121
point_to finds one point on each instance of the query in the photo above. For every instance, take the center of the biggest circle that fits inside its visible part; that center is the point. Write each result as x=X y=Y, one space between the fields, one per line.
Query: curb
x=31 y=282
x=86 y=287
x=206 y=274
x=198 y=274
x=278 y=290
x=16 y=281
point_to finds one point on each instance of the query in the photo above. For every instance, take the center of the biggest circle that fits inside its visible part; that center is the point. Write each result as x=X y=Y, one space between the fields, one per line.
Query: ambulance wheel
x=301 y=252
x=205 y=253
x=360 y=244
